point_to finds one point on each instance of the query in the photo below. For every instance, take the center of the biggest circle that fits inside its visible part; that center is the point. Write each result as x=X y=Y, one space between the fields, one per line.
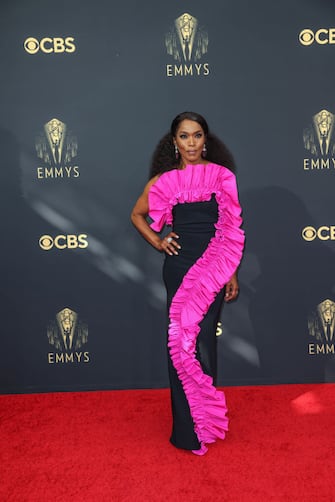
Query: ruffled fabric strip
x=200 y=285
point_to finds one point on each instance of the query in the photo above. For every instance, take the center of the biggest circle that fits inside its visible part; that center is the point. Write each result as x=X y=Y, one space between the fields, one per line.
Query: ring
x=169 y=239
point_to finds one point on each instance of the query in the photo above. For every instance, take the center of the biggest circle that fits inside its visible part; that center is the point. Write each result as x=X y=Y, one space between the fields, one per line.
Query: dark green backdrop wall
x=87 y=90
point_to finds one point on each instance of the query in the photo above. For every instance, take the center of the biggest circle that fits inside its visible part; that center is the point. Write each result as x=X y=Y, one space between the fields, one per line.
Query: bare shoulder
x=142 y=204
x=151 y=182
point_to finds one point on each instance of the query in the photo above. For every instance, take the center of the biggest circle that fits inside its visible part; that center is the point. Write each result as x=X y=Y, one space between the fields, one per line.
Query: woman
x=190 y=188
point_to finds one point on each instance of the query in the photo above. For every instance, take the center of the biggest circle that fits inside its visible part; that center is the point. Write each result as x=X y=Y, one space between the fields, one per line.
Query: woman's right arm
x=139 y=219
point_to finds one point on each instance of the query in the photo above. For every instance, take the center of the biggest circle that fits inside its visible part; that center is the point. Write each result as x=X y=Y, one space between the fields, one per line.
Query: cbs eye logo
x=322 y=36
x=47 y=242
x=323 y=233
x=49 y=45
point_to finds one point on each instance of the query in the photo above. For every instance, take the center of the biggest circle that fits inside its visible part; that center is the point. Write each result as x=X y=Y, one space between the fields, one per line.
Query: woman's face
x=190 y=139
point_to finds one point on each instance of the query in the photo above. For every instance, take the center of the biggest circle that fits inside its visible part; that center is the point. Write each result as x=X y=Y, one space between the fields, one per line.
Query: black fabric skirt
x=194 y=223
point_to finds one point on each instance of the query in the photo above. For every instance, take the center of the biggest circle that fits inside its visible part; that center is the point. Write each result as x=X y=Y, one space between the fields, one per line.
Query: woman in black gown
x=192 y=188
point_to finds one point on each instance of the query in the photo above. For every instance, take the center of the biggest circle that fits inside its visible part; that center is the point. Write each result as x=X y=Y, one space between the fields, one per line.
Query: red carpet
x=113 y=446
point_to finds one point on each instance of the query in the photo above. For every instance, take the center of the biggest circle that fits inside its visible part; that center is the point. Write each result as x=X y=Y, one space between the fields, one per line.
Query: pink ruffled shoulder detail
x=192 y=184
x=203 y=281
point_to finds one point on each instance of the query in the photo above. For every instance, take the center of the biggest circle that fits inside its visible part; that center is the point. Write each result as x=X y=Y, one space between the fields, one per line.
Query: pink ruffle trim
x=201 y=284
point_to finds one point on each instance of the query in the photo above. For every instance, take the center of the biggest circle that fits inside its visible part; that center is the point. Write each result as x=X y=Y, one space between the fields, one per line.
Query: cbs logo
x=47 y=242
x=323 y=233
x=322 y=36
x=49 y=45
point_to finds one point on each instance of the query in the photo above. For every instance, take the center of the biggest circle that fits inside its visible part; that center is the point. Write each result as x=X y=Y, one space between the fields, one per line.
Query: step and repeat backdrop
x=87 y=90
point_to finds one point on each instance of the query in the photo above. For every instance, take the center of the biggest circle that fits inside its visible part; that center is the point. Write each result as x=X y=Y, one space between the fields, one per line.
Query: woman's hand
x=231 y=289
x=169 y=244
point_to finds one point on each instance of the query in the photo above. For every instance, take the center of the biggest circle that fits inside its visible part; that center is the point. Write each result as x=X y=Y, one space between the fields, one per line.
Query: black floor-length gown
x=201 y=203
x=194 y=223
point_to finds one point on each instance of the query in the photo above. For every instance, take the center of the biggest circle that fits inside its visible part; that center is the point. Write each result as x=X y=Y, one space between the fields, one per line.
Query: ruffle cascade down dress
x=201 y=202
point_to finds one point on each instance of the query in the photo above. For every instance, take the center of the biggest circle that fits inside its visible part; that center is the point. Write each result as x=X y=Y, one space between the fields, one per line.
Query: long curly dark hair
x=164 y=158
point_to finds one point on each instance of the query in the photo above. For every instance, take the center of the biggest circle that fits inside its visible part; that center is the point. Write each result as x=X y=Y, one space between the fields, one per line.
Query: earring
x=204 y=151
x=176 y=151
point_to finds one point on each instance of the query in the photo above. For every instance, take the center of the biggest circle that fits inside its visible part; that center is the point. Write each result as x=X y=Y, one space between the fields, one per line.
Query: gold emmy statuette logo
x=57 y=148
x=67 y=334
x=49 y=45
x=322 y=36
x=187 y=43
x=319 y=140
x=321 y=325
